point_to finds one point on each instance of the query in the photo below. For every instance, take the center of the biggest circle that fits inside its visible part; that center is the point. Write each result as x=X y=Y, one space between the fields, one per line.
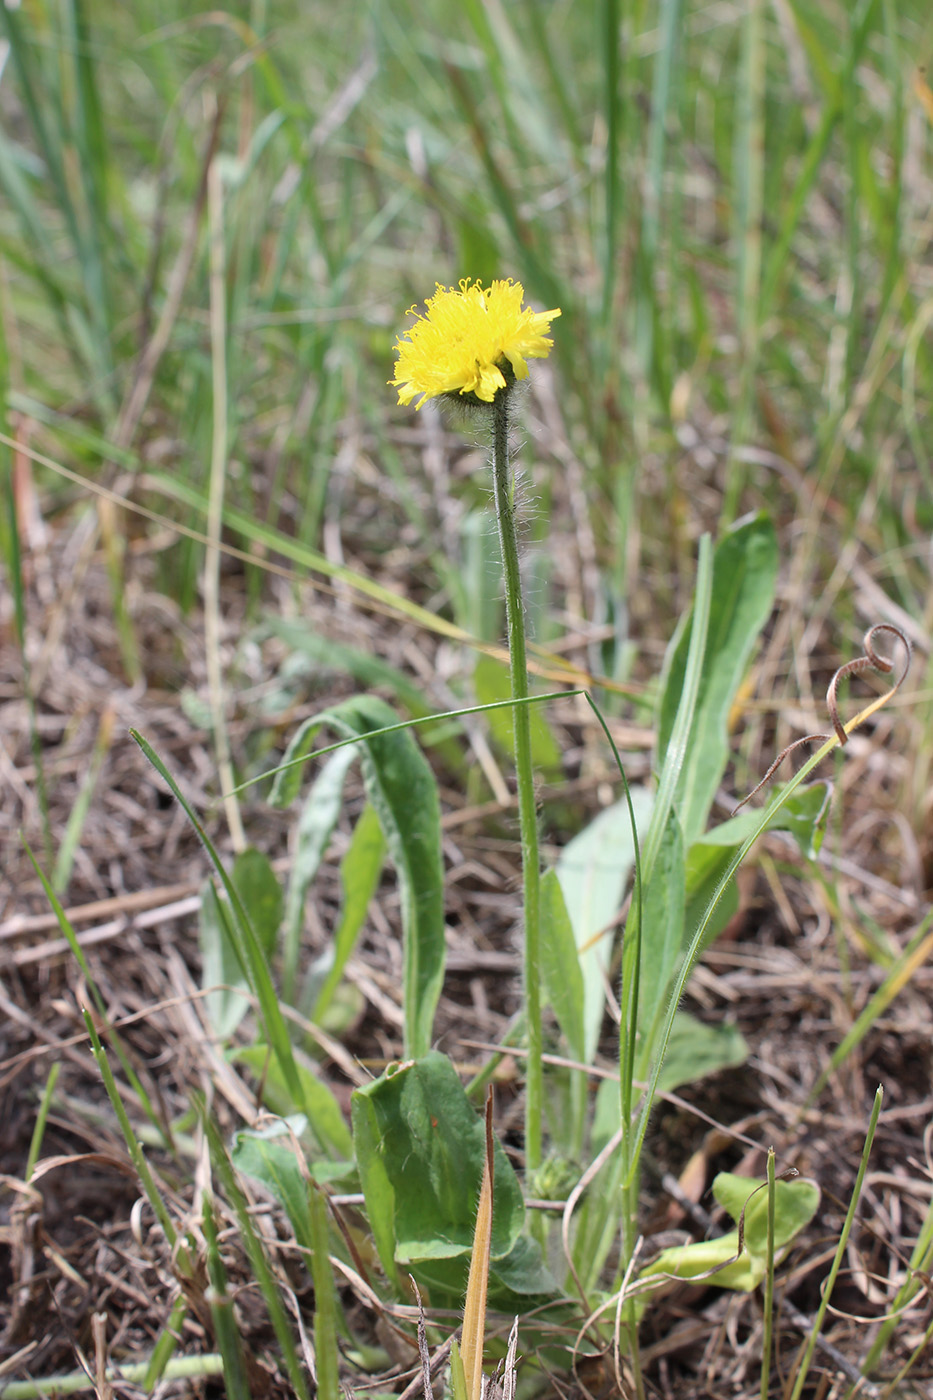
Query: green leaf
x=359 y=876
x=560 y=964
x=221 y=968
x=401 y=787
x=420 y=1149
x=795 y=1204
x=319 y=816
x=457 y=1378
x=260 y=1268
x=662 y=938
x=316 y=1100
x=744 y=575
x=593 y=870
x=706 y=863
x=520 y=1275
x=378 y=1187
x=491 y=683
x=804 y=815
x=696 y=1049
x=261 y=894
x=277 y=1167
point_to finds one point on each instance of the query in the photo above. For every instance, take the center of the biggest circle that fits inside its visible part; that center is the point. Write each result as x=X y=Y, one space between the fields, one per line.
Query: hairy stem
x=524 y=772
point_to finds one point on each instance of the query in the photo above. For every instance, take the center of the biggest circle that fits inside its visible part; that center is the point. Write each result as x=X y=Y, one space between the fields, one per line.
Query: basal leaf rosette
x=473 y=342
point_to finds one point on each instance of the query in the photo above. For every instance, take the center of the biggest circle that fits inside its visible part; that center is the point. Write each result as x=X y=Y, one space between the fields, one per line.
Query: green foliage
x=720 y=1261
x=403 y=792
x=360 y=870
x=320 y=812
x=744 y=578
x=594 y=869
x=420 y=1148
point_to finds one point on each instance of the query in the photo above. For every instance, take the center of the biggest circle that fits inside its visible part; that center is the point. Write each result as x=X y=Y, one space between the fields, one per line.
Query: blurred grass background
x=730 y=203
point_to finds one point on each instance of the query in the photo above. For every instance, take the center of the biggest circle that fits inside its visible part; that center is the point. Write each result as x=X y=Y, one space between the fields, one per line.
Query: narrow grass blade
x=215 y=502
x=609 y=25
x=827 y=1289
x=262 y=1269
x=164 y=1348
x=250 y=951
x=14 y=564
x=134 y=1146
x=913 y=957
x=458 y=1384
x=42 y=97
x=768 y=1314
x=226 y=1331
x=113 y=539
x=161 y=1127
x=664 y=93
x=38 y=1132
x=95 y=173
x=325 y=1303
x=749 y=207
x=77 y=817
x=180 y=1368
x=919 y=1266
x=777 y=259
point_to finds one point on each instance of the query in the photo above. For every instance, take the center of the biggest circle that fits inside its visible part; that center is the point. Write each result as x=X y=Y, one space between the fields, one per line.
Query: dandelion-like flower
x=469 y=342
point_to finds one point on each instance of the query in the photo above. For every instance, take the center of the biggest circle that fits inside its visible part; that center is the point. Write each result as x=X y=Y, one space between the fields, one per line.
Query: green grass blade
x=77 y=817
x=768 y=1309
x=179 y=1368
x=826 y=1290
x=161 y=1127
x=134 y=1146
x=15 y=577
x=608 y=34
x=674 y=731
x=38 y=1132
x=250 y=952
x=664 y=94
x=226 y=1331
x=749 y=208
x=164 y=1349
x=261 y=1268
x=814 y=156
x=325 y=1302
x=914 y=955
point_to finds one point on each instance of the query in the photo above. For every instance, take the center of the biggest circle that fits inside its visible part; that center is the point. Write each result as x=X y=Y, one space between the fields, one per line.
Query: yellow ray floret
x=467 y=337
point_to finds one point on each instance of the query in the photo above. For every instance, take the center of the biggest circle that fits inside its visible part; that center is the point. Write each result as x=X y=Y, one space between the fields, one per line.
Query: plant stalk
x=524 y=773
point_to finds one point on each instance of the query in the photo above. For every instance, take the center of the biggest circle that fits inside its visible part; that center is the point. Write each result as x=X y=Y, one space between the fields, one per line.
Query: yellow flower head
x=467 y=339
